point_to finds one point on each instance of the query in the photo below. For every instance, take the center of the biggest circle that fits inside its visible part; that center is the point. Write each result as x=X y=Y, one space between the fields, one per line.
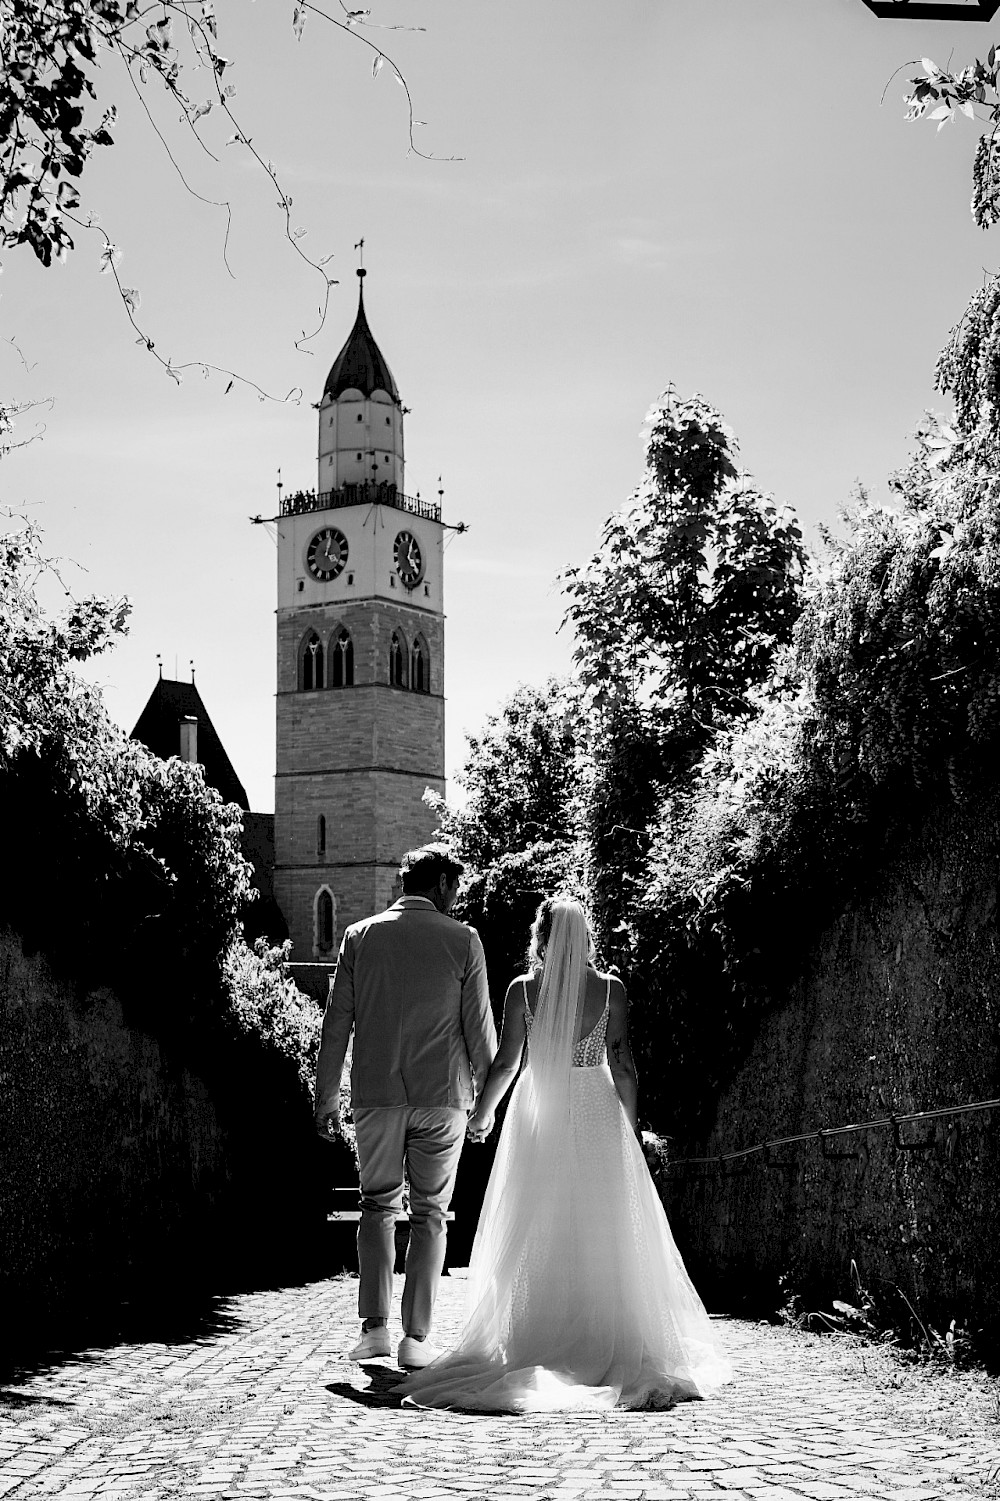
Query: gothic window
x=397 y=661
x=360 y=417
x=420 y=667
x=325 y=922
x=311 y=662
x=341 y=659
x=321 y=837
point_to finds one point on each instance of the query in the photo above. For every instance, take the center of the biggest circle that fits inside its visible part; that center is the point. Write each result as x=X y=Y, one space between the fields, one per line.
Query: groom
x=411 y=983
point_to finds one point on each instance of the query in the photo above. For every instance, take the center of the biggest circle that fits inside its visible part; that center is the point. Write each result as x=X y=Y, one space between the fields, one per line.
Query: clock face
x=326 y=554
x=408 y=560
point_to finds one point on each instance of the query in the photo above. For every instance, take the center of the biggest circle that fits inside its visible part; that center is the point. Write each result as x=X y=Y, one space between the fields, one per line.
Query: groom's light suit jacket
x=411 y=983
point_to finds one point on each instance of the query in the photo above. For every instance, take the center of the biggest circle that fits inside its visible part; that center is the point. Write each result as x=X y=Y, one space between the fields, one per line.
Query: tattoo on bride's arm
x=616 y=1048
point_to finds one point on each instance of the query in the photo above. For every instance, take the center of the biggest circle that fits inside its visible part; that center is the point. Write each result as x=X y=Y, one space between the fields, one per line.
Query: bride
x=577 y=1295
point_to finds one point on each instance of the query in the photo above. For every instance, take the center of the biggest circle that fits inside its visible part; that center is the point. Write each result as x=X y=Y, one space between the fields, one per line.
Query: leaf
x=110 y=256
x=930 y=68
x=298 y=21
x=377 y=65
x=968 y=109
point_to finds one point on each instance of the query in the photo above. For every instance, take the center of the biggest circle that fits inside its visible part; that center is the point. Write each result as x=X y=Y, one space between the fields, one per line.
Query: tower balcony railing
x=301 y=502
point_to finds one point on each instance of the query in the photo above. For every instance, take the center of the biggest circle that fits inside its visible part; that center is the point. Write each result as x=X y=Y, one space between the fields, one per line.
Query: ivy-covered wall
x=896 y=1011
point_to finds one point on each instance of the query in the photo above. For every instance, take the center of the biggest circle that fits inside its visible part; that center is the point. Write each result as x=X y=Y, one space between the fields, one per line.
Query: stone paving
x=263 y=1404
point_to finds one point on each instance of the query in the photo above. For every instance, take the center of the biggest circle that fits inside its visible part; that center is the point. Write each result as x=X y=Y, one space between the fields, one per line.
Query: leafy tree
x=147 y=856
x=56 y=109
x=886 y=706
x=695 y=583
x=968 y=367
x=516 y=830
x=677 y=618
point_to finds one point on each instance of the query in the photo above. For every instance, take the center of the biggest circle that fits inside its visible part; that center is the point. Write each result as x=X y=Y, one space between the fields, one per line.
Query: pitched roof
x=360 y=365
x=158 y=727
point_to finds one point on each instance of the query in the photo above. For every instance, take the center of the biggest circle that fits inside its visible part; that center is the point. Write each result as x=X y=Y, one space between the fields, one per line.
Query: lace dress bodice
x=590 y=1050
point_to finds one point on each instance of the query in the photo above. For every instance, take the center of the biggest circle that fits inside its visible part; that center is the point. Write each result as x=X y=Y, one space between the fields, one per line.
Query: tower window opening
x=397 y=661
x=321 y=836
x=388 y=422
x=420 y=667
x=311 y=662
x=342 y=660
x=361 y=417
x=359 y=456
x=325 y=930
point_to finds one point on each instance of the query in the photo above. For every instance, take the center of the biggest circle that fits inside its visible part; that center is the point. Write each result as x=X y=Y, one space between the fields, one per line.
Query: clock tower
x=360 y=700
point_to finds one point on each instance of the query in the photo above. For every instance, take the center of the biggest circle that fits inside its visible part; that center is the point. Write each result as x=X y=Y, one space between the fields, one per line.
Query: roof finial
x=361 y=272
x=191 y=665
x=279 y=487
x=159 y=663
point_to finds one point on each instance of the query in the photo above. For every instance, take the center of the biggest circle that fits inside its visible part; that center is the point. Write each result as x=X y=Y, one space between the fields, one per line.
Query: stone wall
x=896 y=1012
x=122 y=1170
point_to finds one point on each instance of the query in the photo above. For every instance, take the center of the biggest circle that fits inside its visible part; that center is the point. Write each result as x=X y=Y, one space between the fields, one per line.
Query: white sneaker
x=372 y=1344
x=414 y=1354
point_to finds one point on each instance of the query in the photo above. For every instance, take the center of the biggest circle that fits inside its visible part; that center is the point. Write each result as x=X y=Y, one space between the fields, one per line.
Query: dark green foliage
x=125 y=870
x=891 y=704
x=516 y=831
x=694 y=585
x=678 y=618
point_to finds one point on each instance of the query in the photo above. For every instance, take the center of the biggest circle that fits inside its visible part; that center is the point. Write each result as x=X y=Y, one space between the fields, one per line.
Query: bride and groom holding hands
x=577 y=1295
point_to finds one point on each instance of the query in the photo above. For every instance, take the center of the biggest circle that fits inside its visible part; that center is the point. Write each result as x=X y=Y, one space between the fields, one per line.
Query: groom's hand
x=328 y=1125
x=479 y=1126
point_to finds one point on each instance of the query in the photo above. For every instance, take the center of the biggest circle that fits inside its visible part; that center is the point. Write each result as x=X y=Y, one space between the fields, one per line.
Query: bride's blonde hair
x=541 y=929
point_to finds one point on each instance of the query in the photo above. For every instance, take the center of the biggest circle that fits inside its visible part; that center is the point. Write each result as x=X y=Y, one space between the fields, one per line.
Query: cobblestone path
x=265 y=1405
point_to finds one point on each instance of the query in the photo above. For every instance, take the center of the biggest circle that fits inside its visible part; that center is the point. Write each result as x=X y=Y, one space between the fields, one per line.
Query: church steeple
x=360 y=415
x=360 y=666
x=360 y=365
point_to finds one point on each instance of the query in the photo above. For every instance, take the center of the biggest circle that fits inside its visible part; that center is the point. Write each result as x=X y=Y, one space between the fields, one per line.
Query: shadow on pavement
x=76 y=1340
x=379 y=1394
x=172 y=1305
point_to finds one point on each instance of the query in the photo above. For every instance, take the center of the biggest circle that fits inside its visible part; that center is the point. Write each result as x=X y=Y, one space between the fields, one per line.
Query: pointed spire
x=360 y=364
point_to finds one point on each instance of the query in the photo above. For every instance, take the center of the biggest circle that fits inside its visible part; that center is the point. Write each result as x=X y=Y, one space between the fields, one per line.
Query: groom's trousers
x=423 y=1144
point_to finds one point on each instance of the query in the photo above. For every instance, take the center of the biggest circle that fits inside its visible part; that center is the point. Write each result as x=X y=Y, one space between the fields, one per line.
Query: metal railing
x=892 y=1122
x=302 y=502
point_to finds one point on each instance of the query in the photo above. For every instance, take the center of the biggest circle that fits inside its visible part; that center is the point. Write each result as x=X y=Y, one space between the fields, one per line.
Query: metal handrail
x=302 y=502
x=891 y=1121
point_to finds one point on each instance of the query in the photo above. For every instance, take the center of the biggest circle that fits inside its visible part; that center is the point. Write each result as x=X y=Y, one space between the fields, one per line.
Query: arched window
x=341 y=659
x=311 y=662
x=326 y=926
x=420 y=667
x=321 y=837
x=397 y=661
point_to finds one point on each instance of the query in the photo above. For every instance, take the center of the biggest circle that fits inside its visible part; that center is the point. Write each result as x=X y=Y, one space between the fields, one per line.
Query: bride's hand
x=479 y=1126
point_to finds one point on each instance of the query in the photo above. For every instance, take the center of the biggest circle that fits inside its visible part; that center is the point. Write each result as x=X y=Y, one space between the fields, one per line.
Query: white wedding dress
x=577 y=1294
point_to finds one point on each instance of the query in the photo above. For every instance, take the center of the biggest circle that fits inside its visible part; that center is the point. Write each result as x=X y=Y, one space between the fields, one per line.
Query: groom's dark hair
x=421 y=869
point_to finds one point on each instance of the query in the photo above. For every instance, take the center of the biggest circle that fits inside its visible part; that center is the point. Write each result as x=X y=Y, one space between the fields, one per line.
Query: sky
x=708 y=192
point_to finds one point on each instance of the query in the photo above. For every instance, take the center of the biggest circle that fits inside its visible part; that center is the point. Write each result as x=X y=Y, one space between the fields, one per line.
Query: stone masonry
x=256 y=1400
